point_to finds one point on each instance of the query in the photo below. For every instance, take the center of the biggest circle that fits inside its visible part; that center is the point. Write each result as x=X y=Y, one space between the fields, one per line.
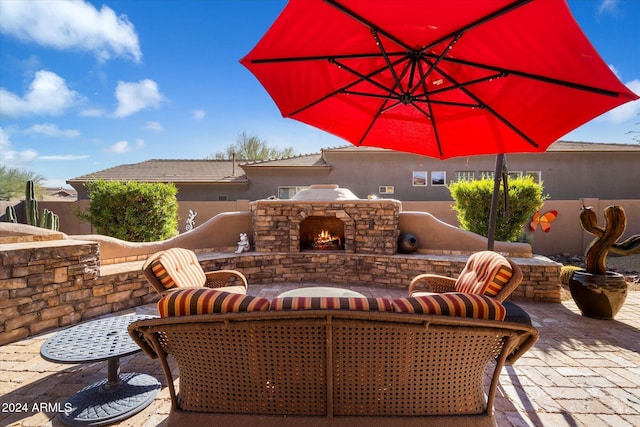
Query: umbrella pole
x=493 y=213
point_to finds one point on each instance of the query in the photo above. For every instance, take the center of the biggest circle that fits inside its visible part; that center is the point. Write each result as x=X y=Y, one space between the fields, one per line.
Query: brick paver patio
x=582 y=372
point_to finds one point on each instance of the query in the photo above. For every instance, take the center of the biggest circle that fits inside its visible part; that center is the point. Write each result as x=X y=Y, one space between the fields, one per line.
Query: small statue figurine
x=190 y=220
x=243 y=244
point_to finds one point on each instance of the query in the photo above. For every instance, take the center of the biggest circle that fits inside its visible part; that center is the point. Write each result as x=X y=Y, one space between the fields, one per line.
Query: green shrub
x=473 y=204
x=133 y=211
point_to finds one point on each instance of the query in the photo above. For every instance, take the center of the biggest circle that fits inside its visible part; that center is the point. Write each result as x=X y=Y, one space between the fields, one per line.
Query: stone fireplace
x=349 y=224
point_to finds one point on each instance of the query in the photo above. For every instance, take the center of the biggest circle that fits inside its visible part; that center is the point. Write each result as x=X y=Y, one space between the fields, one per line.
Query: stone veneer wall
x=541 y=277
x=46 y=285
x=370 y=226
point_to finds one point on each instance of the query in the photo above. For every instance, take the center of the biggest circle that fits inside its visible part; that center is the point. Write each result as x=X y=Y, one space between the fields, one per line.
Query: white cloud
x=65 y=157
x=139 y=143
x=48 y=129
x=199 y=114
x=92 y=112
x=608 y=6
x=119 y=147
x=47 y=94
x=626 y=111
x=12 y=158
x=133 y=97
x=71 y=24
x=154 y=126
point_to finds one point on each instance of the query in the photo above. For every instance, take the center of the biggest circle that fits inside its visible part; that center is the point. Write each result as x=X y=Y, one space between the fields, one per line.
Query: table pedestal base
x=103 y=403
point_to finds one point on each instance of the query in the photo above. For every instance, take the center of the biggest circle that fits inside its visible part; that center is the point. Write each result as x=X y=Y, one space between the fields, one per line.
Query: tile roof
x=221 y=171
x=306 y=160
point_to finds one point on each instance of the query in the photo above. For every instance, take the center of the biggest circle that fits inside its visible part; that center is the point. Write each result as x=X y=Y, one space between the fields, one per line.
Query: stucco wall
x=565 y=236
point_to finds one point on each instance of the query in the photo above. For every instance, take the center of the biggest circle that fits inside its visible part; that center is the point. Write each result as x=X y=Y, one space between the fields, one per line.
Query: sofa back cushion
x=177 y=268
x=452 y=304
x=486 y=273
x=186 y=302
x=329 y=303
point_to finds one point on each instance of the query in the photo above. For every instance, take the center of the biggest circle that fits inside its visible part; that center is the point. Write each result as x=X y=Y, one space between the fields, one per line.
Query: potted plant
x=597 y=292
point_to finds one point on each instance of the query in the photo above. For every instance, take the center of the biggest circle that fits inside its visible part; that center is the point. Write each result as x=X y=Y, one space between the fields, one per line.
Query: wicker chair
x=487 y=273
x=178 y=268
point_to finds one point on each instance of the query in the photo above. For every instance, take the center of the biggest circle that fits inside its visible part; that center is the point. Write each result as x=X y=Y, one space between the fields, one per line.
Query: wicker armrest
x=432 y=283
x=221 y=278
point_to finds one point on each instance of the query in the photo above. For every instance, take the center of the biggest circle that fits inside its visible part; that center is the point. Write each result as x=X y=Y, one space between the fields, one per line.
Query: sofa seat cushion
x=186 y=302
x=485 y=273
x=329 y=303
x=452 y=304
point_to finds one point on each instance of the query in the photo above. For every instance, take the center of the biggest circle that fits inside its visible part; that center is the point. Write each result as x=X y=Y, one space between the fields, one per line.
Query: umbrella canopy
x=433 y=77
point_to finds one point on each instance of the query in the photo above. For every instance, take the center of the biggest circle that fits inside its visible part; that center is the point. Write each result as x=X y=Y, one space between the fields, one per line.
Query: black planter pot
x=598 y=296
x=407 y=243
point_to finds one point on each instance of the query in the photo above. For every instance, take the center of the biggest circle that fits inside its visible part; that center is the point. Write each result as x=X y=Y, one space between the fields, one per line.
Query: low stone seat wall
x=48 y=284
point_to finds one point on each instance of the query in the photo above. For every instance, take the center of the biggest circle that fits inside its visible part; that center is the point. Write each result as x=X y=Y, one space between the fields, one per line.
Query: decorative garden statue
x=191 y=223
x=243 y=244
x=597 y=292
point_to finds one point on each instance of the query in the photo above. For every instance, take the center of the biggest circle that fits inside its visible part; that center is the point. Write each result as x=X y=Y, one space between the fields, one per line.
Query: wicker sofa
x=245 y=360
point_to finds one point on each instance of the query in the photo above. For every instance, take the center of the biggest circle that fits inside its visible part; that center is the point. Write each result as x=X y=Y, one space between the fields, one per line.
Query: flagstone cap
x=325 y=192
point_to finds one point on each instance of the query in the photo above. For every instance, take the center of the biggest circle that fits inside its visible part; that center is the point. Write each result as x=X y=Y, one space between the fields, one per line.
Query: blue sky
x=85 y=86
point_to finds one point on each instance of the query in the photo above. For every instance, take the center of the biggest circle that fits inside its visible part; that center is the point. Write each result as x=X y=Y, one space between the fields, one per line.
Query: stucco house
x=569 y=171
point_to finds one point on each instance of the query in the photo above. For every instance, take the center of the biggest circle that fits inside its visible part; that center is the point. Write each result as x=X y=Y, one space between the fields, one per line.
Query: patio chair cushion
x=485 y=273
x=452 y=304
x=328 y=303
x=186 y=302
x=177 y=267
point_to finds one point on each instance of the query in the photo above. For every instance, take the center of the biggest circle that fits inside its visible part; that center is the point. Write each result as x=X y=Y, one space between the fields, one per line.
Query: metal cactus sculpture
x=606 y=237
x=47 y=220
x=597 y=292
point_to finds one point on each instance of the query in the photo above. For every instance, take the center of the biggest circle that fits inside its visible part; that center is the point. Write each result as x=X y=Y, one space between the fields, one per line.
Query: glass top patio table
x=321 y=291
x=116 y=397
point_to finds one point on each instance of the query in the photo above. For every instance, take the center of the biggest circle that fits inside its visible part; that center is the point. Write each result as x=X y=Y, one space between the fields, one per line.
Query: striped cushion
x=328 y=303
x=185 y=302
x=178 y=268
x=486 y=273
x=453 y=304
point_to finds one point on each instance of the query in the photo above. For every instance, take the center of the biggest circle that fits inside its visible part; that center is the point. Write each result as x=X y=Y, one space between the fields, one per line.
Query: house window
x=288 y=192
x=487 y=174
x=419 y=178
x=438 y=178
x=386 y=189
x=464 y=175
x=223 y=198
x=536 y=175
x=515 y=174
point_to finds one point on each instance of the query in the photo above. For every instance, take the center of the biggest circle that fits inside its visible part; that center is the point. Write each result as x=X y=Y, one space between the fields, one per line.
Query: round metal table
x=118 y=396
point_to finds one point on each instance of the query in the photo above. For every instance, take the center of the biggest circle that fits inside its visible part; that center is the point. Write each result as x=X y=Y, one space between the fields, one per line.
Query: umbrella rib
x=491 y=110
x=373 y=121
x=432 y=117
x=324 y=57
x=531 y=76
x=386 y=58
x=435 y=63
x=461 y=85
x=366 y=78
x=367 y=23
x=342 y=89
x=508 y=8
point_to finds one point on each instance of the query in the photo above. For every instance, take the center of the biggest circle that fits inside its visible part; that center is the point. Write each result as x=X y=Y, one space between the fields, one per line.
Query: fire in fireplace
x=321 y=233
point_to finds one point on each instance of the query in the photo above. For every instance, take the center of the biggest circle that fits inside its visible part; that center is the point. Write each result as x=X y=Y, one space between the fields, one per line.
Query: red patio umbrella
x=435 y=77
